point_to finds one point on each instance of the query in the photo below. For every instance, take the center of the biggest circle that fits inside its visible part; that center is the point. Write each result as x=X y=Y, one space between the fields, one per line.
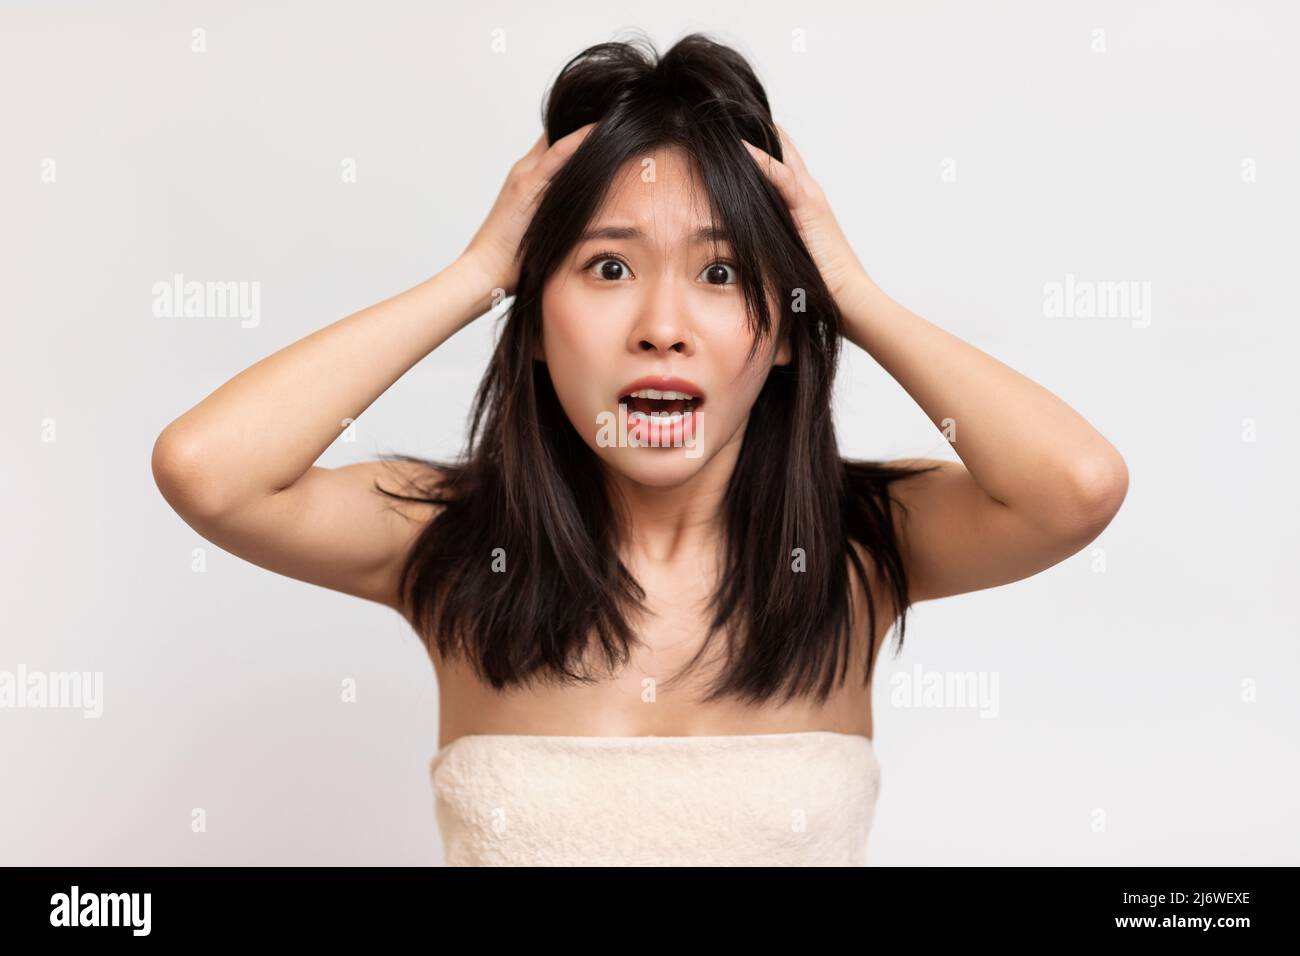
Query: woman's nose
x=662 y=324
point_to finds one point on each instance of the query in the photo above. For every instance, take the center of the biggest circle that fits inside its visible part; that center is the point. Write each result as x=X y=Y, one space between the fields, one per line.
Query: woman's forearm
x=263 y=429
x=1024 y=446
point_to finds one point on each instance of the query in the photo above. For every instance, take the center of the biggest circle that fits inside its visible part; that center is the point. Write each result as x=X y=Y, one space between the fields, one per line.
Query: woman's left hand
x=821 y=233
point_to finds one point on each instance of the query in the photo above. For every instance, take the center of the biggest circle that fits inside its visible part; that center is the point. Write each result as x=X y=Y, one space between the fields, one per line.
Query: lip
x=680 y=433
x=663 y=383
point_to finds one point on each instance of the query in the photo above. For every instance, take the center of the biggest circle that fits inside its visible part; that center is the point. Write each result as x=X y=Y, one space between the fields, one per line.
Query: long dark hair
x=529 y=485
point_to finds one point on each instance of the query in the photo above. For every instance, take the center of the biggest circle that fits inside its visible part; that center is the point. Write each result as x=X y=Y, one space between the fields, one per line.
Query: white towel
x=786 y=799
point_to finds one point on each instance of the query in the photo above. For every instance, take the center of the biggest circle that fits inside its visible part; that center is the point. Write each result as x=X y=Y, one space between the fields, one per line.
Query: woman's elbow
x=185 y=475
x=1098 y=488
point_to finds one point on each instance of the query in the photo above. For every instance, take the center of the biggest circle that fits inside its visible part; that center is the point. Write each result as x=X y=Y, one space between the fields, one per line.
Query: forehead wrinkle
x=632 y=215
x=631 y=233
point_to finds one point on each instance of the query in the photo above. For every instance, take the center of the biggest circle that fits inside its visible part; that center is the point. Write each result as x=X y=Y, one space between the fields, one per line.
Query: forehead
x=659 y=193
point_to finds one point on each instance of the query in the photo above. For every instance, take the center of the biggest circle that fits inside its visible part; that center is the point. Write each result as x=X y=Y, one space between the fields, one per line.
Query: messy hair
x=797 y=518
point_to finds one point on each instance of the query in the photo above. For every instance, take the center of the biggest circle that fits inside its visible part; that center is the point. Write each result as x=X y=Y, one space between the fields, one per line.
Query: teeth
x=657 y=418
x=656 y=393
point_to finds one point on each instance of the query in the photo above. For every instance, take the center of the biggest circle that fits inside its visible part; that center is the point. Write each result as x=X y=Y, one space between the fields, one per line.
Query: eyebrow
x=703 y=234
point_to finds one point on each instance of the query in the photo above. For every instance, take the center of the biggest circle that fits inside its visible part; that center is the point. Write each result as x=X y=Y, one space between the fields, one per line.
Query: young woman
x=652 y=590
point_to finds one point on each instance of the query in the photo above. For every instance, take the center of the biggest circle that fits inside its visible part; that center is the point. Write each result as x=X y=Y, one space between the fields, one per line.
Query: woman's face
x=644 y=330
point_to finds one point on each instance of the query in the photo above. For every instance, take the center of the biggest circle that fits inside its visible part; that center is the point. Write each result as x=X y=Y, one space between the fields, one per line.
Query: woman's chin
x=655 y=467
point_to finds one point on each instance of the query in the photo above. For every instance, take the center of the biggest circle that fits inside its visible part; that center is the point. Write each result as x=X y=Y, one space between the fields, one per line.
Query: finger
x=539 y=147
x=563 y=148
x=810 y=191
x=539 y=159
x=792 y=156
x=531 y=158
x=777 y=172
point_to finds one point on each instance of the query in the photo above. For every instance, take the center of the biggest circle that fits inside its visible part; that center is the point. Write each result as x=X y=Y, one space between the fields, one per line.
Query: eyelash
x=610 y=254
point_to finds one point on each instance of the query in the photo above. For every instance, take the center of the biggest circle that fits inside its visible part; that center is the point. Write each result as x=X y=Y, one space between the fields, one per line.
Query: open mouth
x=662 y=406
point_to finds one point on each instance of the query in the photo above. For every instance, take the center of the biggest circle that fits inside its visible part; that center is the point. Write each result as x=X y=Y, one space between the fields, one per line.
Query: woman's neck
x=663 y=523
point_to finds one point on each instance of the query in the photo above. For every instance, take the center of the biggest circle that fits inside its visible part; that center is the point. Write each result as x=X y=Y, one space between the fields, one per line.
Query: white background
x=1147 y=712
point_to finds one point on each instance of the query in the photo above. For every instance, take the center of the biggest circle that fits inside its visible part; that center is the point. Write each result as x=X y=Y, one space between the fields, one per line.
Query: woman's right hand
x=492 y=251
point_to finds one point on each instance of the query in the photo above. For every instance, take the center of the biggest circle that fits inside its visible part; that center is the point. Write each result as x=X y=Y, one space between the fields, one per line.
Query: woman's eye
x=610 y=269
x=720 y=273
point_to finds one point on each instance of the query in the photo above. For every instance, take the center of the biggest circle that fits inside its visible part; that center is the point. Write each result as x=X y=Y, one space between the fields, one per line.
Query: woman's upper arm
x=956 y=538
x=331 y=527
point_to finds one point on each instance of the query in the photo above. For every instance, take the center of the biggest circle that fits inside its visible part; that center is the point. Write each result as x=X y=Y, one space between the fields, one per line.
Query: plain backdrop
x=1146 y=708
